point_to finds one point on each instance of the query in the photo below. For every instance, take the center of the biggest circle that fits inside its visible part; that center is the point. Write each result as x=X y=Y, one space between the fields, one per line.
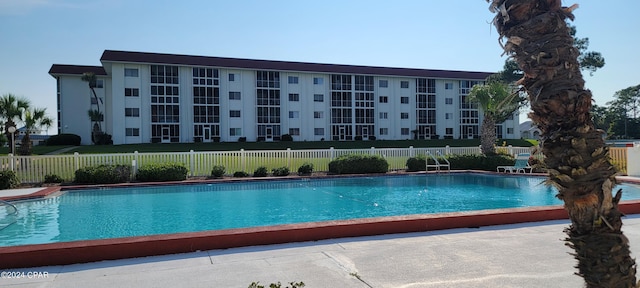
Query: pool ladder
x=438 y=165
x=14 y=213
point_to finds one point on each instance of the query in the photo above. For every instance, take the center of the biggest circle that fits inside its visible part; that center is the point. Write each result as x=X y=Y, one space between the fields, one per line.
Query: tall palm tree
x=498 y=102
x=538 y=38
x=34 y=120
x=96 y=128
x=11 y=110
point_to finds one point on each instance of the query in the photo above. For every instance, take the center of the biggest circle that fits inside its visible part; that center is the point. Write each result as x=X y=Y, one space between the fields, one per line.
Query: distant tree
x=497 y=101
x=626 y=111
x=35 y=119
x=96 y=128
x=11 y=111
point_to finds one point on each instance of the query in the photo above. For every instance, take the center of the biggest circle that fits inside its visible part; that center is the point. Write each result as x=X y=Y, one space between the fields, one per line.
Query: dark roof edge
x=57 y=69
x=178 y=59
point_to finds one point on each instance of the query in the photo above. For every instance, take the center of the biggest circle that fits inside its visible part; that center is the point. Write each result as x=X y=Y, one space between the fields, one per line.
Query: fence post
x=191 y=162
x=331 y=153
x=242 y=160
x=76 y=160
x=12 y=161
x=511 y=150
x=289 y=158
x=447 y=150
x=373 y=151
x=411 y=152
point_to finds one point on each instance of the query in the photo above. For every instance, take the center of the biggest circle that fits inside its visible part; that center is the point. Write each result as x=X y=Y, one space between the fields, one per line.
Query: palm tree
x=11 y=110
x=34 y=120
x=96 y=128
x=538 y=38
x=498 y=102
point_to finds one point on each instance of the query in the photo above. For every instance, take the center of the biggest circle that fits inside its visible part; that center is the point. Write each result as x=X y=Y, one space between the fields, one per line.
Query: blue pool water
x=123 y=212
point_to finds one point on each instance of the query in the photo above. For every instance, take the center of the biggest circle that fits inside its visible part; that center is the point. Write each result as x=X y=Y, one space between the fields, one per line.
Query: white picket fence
x=32 y=169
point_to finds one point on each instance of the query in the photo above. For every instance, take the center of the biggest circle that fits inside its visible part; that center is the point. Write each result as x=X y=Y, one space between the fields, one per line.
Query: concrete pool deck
x=517 y=255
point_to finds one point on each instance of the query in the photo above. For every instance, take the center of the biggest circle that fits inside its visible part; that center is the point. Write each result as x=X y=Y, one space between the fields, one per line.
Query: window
x=232 y=77
x=132 y=112
x=448 y=86
x=130 y=72
x=293 y=79
x=404 y=100
x=448 y=101
x=449 y=131
x=318 y=131
x=404 y=131
x=404 y=84
x=294 y=114
x=99 y=83
x=234 y=113
x=294 y=97
x=318 y=114
x=234 y=95
x=383 y=83
x=384 y=131
x=318 y=81
x=132 y=131
x=448 y=115
x=318 y=97
x=235 y=131
x=509 y=130
x=384 y=99
x=294 y=131
x=404 y=115
x=131 y=92
x=384 y=115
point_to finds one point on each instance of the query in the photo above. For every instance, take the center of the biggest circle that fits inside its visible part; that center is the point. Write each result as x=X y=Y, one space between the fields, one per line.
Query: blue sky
x=454 y=35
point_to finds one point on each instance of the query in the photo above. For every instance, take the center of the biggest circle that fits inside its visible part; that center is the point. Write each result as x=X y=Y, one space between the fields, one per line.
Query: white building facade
x=151 y=97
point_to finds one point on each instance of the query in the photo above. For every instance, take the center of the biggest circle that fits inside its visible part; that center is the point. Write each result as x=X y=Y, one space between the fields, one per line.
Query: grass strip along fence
x=33 y=169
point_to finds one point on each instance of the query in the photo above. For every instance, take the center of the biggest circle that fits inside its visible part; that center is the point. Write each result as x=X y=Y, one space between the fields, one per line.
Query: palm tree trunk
x=538 y=38
x=488 y=136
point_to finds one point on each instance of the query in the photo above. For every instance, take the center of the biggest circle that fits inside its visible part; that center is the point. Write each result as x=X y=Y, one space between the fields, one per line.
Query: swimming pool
x=151 y=210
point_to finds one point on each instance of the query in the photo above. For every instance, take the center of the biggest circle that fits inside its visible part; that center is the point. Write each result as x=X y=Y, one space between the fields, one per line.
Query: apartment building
x=152 y=97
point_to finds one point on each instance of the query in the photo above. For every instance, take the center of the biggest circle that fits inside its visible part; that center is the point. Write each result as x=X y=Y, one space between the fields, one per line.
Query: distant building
x=151 y=97
x=529 y=131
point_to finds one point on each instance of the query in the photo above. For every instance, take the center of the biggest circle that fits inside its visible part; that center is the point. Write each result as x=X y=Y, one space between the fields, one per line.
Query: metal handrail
x=438 y=165
x=15 y=209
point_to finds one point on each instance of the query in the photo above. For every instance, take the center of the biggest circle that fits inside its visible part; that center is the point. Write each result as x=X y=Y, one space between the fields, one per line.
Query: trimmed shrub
x=286 y=137
x=358 y=164
x=8 y=180
x=63 y=139
x=240 y=174
x=52 y=178
x=416 y=164
x=103 y=174
x=260 y=172
x=480 y=162
x=218 y=171
x=305 y=169
x=103 y=139
x=282 y=171
x=242 y=139
x=162 y=172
